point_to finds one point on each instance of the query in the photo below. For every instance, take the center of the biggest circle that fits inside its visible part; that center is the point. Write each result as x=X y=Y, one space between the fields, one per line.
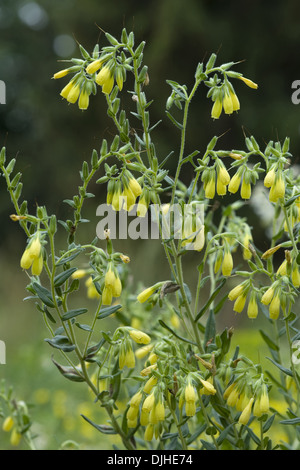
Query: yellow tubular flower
x=132 y=413
x=227 y=103
x=218 y=261
x=234 y=183
x=144 y=418
x=252 y=310
x=139 y=337
x=32 y=257
x=135 y=187
x=208 y=387
x=223 y=175
x=210 y=189
x=15 y=437
x=79 y=274
x=73 y=94
x=61 y=73
x=153 y=358
x=129 y=359
x=233 y=397
x=245 y=416
x=190 y=408
x=240 y=303
x=37 y=266
x=256 y=409
x=148 y=370
x=142 y=206
x=268 y=296
x=227 y=264
x=264 y=400
x=296 y=276
x=146 y=294
x=160 y=411
x=129 y=198
x=269 y=178
x=94 y=66
x=242 y=402
x=117 y=199
x=277 y=190
x=66 y=90
x=148 y=436
x=221 y=188
x=131 y=424
x=217 y=109
x=107 y=296
x=8 y=424
x=236 y=292
x=228 y=390
x=274 y=308
x=150 y=384
x=148 y=403
x=235 y=101
x=105 y=78
x=110 y=277
x=190 y=393
x=282 y=268
x=136 y=399
x=249 y=82
x=84 y=99
x=245 y=190
x=142 y=352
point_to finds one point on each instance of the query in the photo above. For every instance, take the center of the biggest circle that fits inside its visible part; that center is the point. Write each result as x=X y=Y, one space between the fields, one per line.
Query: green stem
x=183 y=137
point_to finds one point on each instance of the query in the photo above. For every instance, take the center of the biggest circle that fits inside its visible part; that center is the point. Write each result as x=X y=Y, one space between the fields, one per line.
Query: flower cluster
x=9 y=426
x=224 y=97
x=126 y=353
x=211 y=183
x=243 y=392
x=123 y=192
x=33 y=256
x=188 y=395
x=275 y=181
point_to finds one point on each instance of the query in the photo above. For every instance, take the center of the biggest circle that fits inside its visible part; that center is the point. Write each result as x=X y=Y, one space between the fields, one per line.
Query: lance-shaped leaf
x=62 y=277
x=61 y=342
x=73 y=313
x=68 y=372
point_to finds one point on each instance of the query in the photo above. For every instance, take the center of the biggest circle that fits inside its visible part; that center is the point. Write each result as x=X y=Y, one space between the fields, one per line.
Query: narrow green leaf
x=283 y=369
x=44 y=294
x=100 y=427
x=293 y=422
x=210 y=300
x=268 y=423
x=268 y=341
x=61 y=342
x=73 y=313
x=208 y=445
x=163 y=324
x=62 y=277
x=105 y=312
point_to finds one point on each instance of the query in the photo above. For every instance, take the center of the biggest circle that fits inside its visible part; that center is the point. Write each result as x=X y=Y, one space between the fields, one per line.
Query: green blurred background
x=51 y=139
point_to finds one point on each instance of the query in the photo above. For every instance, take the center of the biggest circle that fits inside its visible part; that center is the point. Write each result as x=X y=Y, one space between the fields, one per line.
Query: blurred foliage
x=51 y=140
